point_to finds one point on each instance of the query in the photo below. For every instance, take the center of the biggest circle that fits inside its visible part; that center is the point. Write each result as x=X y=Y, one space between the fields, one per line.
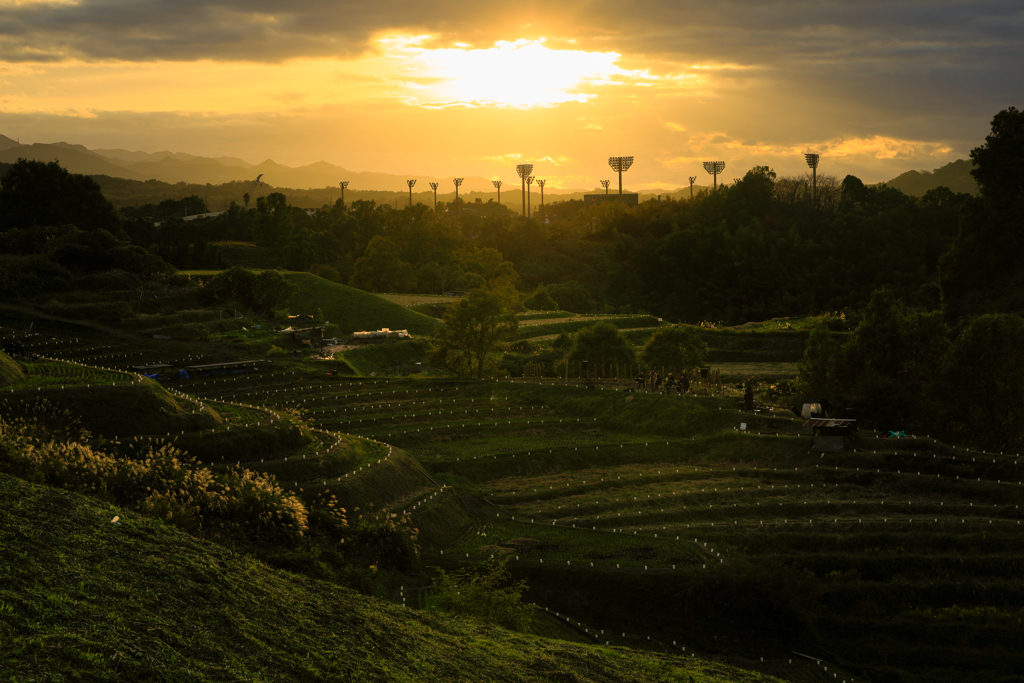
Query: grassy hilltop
x=353 y=309
x=139 y=600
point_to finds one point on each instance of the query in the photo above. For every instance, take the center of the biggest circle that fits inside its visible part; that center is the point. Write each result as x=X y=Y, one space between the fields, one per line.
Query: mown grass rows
x=52 y=374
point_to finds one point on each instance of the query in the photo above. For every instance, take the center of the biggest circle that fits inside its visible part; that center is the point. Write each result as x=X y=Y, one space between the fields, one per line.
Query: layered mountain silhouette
x=176 y=167
x=179 y=167
x=955 y=175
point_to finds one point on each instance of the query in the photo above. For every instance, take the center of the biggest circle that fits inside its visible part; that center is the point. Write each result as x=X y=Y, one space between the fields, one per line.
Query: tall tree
x=601 y=343
x=997 y=163
x=474 y=327
x=677 y=347
x=981 y=272
x=33 y=193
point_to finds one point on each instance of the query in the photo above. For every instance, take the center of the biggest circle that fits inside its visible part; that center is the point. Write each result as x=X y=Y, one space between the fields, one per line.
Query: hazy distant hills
x=176 y=167
x=955 y=175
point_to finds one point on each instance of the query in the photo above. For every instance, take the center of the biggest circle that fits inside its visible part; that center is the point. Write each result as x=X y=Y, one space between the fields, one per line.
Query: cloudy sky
x=461 y=88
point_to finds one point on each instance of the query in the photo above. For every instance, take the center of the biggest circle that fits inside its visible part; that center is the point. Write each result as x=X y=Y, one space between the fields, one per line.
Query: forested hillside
x=759 y=249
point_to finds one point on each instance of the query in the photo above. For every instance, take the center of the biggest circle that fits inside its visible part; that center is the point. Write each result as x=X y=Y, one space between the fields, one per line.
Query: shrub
x=485 y=593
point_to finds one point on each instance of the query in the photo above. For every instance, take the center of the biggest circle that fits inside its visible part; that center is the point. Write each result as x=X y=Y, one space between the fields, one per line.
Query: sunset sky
x=463 y=88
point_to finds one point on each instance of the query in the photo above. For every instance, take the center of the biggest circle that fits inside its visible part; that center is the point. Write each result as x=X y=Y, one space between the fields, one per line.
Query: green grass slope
x=353 y=309
x=121 y=410
x=139 y=600
x=10 y=371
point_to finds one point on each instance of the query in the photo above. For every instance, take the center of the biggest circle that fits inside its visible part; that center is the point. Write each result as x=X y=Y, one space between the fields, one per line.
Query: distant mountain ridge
x=178 y=167
x=955 y=175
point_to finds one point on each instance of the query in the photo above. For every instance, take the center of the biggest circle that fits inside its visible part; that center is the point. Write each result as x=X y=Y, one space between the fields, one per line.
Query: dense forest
x=758 y=249
x=761 y=248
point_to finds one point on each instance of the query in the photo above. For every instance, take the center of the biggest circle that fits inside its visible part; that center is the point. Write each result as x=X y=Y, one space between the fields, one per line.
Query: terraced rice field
x=46 y=374
x=896 y=535
x=661 y=517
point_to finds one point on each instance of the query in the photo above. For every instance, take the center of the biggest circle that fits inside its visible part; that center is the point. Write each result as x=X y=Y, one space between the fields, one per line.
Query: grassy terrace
x=575 y=477
x=899 y=560
x=140 y=600
x=46 y=374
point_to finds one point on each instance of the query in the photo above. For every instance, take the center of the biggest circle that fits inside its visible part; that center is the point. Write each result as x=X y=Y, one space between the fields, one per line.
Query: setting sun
x=522 y=73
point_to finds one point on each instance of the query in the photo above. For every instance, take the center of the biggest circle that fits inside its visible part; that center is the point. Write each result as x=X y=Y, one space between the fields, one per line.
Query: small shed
x=830 y=434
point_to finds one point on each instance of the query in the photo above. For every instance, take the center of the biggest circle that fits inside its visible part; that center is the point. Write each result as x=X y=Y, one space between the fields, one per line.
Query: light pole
x=529 y=184
x=497 y=185
x=812 y=161
x=524 y=170
x=540 y=183
x=410 y=183
x=433 y=186
x=344 y=184
x=714 y=168
x=605 y=184
x=458 y=181
x=620 y=164
x=692 y=179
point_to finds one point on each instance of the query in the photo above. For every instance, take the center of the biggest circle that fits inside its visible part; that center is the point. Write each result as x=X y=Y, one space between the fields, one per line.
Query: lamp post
x=692 y=179
x=540 y=183
x=812 y=161
x=433 y=186
x=529 y=184
x=344 y=184
x=605 y=184
x=458 y=181
x=524 y=170
x=410 y=183
x=714 y=168
x=620 y=164
x=497 y=185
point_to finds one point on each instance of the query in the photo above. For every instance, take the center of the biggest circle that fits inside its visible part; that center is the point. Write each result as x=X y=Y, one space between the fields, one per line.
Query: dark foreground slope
x=84 y=599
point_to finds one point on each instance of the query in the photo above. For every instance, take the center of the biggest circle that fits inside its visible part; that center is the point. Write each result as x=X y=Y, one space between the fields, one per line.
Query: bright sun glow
x=520 y=74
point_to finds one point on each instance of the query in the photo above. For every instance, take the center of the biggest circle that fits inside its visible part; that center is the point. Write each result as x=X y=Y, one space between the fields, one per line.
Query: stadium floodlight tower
x=693 y=178
x=620 y=164
x=540 y=184
x=524 y=170
x=344 y=184
x=497 y=186
x=433 y=186
x=812 y=161
x=714 y=168
x=410 y=183
x=605 y=184
x=458 y=182
x=529 y=184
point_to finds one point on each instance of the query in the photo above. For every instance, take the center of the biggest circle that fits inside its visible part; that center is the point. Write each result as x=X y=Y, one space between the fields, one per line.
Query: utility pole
x=344 y=184
x=529 y=183
x=540 y=184
x=410 y=183
x=458 y=182
x=497 y=185
x=524 y=170
x=433 y=186
x=692 y=179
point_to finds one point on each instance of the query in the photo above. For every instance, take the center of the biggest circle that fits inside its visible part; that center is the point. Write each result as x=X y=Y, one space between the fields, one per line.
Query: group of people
x=654 y=381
